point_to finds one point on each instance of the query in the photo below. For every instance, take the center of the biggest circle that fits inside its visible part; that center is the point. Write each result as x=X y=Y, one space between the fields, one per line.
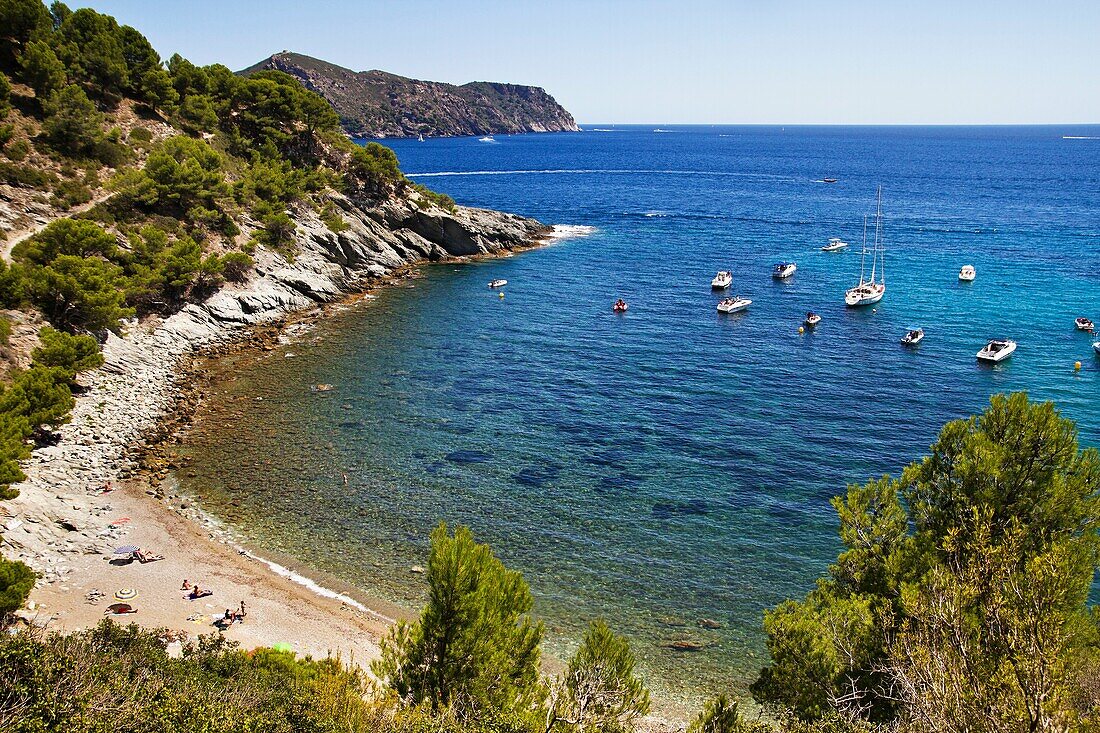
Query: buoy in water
x=1076 y=366
x=501 y=296
x=801 y=329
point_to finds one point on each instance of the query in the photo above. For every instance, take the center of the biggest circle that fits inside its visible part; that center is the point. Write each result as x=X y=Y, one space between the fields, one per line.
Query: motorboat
x=722 y=280
x=784 y=270
x=812 y=319
x=870 y=291
x=967 y=273
x=1096 y=346
x=497 y=283
x=733 y=305
x=828 y=180
x=997 y=350
x=421 y=138
x=620 y=306
x=913 y=337
x=486 y=139
x=1084 y=324
x=835 y=245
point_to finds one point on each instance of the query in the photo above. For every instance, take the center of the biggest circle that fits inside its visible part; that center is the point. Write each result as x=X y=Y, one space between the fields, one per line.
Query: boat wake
x=1081 y=137
x=604 y=171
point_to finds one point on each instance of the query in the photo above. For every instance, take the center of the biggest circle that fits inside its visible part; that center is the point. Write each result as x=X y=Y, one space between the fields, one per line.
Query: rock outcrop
x=56 y=514
x=380 y=104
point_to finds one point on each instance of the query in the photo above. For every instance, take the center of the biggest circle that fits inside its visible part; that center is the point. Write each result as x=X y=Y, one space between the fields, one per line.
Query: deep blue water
x=670 y=464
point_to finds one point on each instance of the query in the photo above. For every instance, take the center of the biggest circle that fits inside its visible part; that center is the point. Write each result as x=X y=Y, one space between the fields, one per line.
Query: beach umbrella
x=282 y=646
x=126 y=549
x=125 y=594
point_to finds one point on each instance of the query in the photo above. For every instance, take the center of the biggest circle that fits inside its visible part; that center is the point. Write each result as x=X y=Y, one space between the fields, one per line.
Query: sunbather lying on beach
x=144 y=557
x=197 y=593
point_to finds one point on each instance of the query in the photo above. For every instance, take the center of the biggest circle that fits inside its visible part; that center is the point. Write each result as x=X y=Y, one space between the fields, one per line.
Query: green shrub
x=18 y=149
x=5 y=96
x=42 y=70
x=332 y=219
x=277 y=232
x=16 y=581
x=475 y=648
x=235 y=266
x=79 y=292
x=73 y=124
x=71 y=193
x=140 y=137
x=25 y=176
x=71 y=354
x=180 y=174
x=78 y=237
x=375 y=167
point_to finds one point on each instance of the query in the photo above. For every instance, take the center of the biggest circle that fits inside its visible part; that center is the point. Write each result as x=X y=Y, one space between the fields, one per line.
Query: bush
x=475 y=649
x=18 y=149
x=42 y=70
x=277 y=232
x=180 y=174
x=235 y=266
x=73 y=124
x=5 y=330
x=78 y=237
x=16 y=581
x=375 y=167
x=79 y=293
x=71 y=354
x=115 y=678
x=441 y=200
x=25 y=176
x=5 y=96
x=599 y=692
x=71 y=193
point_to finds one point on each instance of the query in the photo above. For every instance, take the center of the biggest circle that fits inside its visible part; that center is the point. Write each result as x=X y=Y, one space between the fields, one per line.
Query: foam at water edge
x=570 y=231
x=311 y=585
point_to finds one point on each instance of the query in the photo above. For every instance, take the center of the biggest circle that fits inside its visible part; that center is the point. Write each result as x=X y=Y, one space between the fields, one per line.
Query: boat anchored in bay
x=733 y=305
x=835 y=245
x=997 y=350
x=868 y=292
x=783 y=270
x=722 y=280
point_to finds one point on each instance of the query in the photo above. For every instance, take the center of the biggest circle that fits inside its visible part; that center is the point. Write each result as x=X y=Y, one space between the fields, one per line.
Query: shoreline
x=66 y=526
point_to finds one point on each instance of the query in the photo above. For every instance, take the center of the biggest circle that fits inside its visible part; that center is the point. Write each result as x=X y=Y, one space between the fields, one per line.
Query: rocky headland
x=378 y=104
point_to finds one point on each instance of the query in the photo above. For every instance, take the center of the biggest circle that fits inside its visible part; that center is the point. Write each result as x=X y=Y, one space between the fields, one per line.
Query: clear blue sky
x=692 y=61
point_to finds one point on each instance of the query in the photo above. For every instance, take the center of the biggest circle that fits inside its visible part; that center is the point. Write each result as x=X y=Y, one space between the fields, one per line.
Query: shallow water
x=671 y=464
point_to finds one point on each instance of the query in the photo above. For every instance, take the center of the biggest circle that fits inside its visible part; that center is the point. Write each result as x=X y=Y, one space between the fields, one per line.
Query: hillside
x=380 y=104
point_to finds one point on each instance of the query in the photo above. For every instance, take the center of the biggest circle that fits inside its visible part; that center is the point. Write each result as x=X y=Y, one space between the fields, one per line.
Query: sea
x=668 y=469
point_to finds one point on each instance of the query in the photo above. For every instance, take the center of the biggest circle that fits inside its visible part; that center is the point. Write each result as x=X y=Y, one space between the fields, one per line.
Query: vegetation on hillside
x=191 y=168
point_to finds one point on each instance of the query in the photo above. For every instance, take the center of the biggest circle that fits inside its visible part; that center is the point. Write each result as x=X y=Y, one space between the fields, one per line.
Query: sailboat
x=421 y=138
x=870 y=291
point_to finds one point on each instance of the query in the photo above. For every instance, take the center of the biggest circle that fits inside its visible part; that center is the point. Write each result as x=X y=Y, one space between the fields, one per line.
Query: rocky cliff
x=379 y=104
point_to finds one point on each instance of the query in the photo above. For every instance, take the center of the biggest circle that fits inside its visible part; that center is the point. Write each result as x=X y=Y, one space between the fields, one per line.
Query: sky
x=692 y=61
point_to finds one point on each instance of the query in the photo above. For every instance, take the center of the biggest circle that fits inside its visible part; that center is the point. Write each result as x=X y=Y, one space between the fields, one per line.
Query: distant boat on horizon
x=828 y=180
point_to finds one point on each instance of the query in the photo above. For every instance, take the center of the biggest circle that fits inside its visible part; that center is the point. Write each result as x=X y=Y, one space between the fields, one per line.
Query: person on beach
x=242 y=614
x=186 y=585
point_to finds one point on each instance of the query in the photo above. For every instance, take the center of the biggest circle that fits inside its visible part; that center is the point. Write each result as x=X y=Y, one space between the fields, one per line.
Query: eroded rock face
x=56 y=513
x=379 y=104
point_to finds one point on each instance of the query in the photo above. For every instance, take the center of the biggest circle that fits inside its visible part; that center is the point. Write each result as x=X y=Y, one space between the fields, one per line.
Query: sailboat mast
x=878 y=234
x=863 y=256
x=881 y=238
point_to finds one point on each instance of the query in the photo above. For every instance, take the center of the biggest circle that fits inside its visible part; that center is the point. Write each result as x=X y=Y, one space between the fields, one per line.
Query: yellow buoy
x=501 y=296
x=1077 y=366
x=801 y=329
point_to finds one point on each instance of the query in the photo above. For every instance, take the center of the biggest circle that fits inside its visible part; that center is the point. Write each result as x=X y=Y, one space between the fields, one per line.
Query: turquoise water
x=670 y=464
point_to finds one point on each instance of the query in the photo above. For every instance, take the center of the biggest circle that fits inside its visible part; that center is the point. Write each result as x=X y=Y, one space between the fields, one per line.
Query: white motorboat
x=722 y=280
x=1084 y=324
x=497 y=283
x=486 y=139
x=812 y=319
x=868 y=292
x=967 y=273
x=733 y=305
x=784 y=270
x=421 y=138
x=835 y=245
x=997 y=350
x=1096 y=346
x=913 y=337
